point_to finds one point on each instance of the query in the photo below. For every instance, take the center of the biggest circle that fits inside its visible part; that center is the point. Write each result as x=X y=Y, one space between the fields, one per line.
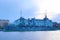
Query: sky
x=11 y=9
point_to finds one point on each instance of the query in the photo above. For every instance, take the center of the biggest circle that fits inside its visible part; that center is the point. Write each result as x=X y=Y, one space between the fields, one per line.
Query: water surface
x=36 y=35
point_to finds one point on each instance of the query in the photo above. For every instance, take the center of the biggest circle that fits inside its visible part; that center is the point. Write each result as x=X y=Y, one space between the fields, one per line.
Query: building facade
x=35 y=22
x=4 y=22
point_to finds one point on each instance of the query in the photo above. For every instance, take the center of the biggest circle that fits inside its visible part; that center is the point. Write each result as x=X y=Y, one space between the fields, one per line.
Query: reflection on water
x=40 y=35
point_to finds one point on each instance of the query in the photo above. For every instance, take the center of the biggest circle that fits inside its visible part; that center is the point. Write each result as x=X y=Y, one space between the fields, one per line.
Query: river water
x=36 y=35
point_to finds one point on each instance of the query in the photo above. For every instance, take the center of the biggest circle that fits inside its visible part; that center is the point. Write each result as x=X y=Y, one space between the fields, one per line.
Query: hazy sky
x=10 y=9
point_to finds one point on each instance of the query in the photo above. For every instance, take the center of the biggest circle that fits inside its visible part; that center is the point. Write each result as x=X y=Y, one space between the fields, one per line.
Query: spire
x=45 y=13
x=21 y=7
x=21 y=12
x=45 y=16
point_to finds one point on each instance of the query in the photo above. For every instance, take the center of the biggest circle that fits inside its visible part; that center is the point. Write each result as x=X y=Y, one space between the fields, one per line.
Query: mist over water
x=39 y=35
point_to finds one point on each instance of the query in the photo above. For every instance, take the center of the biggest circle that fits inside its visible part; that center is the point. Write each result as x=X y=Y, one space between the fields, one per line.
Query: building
x=4 y=22
x=35 y=22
